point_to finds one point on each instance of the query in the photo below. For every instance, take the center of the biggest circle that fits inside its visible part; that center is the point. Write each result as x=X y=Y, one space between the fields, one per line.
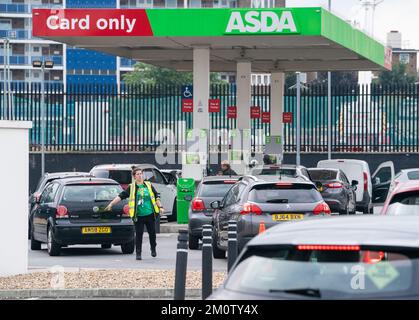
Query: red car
x=404 y=200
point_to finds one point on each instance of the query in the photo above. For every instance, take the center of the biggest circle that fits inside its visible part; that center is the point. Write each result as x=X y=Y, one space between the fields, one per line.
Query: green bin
x=185 y=194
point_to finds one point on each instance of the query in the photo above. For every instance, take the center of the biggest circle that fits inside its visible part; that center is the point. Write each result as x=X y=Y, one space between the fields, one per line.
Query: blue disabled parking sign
x=187 y=92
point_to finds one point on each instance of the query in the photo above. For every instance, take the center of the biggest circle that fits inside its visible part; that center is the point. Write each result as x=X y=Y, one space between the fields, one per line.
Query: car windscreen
x=327 y=274
x=323 y=175
x=404 y=204
x=275 y=172
x=413 y=175
x=273 y=193
x=90 y=192
x=120 y=176
x=215 y=189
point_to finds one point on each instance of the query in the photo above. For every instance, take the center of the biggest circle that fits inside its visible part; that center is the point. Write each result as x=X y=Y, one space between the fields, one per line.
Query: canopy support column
x=277 y=108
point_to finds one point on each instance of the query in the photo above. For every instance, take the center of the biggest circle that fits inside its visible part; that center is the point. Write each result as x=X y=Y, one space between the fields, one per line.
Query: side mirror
x=354 y=183
x=215 y=204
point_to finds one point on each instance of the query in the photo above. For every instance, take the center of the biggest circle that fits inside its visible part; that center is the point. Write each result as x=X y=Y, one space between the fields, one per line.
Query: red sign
x=388 y=58
x=214 y=105
x=287 y=117
x=266 y=117
x=255 y=112
x=187 y=105
x=231 y=112
x=90 y=22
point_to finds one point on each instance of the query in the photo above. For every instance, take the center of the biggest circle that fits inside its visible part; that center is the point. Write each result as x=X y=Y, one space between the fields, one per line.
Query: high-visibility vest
x=132 y=204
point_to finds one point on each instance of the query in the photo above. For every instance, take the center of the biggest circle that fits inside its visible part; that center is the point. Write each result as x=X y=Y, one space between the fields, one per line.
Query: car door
x=44 y=211
x=350 y=191
x=227 y=211
x=167 y=194
x=381 y=181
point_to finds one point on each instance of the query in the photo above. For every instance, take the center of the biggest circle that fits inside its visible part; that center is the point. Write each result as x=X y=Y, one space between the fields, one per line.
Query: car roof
x=64 y=174
x=369 y=230
x=411 y=185
x=345 y=161
x=322 y=169
x=220 y=178
x=124 y=166
x=68 y=181
x=409 y=170
x=272 y=178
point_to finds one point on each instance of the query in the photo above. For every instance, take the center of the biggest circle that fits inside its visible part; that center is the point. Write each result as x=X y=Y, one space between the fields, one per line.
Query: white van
x=371 y=190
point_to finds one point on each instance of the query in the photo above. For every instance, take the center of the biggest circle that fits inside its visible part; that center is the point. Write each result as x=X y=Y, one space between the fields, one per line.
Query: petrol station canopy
x=283 y=39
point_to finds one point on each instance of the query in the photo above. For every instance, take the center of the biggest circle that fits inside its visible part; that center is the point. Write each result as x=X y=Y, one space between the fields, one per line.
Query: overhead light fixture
x=37 y=64
x=49 y=64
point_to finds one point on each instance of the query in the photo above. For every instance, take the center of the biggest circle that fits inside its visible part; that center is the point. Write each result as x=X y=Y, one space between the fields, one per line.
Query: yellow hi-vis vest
x=132 y=196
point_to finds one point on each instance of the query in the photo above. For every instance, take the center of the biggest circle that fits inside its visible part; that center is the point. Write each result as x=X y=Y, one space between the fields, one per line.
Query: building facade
x=74 y=65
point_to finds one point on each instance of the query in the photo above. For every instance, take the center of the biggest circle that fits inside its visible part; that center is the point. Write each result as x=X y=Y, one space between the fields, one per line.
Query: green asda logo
x=261 y=22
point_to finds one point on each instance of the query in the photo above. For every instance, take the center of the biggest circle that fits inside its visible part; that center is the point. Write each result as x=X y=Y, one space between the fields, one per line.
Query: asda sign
x=252 y=22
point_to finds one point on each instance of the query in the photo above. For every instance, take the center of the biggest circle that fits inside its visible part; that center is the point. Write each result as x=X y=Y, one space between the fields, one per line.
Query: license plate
x=92 y=230
x=287 y=217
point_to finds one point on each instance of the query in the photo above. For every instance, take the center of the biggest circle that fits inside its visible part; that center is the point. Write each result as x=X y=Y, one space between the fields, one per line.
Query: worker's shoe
x=153 y=253
x=138 y=257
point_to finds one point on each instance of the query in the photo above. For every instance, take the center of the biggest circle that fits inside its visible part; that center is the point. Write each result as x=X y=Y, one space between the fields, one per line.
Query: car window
x=323 y=175
x=212 y=189
x=148 y=175
x=305 y=173
x=158 y=177
x=413 y=175
x=272 y=193
x=232 y=196
x=49 y=193
x=120 y=176
x=344 y=178
x=90 y=193
x=334 y=273
x=384 y=175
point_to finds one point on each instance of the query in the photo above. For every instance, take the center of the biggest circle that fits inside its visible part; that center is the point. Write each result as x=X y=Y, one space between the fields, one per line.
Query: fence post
x=181 y=264
x=206 y=261
x=232 y=243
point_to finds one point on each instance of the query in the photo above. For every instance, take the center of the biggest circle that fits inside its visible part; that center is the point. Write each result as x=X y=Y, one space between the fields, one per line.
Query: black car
x=253 y=201
x=71 y=211
x=211 y=188
x=335 y=189
x=366 y=257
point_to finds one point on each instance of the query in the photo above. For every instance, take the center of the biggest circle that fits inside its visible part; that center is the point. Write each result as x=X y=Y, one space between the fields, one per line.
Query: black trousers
x=150 y=223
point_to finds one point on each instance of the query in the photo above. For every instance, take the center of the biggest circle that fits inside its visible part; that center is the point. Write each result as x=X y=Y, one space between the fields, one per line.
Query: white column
x=244 y=94
x=14 y=137
x=277 y=103
x=201 y=82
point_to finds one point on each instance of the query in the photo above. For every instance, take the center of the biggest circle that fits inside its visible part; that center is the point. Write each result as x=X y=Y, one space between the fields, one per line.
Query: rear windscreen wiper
x=302 y=292
x=277 y=201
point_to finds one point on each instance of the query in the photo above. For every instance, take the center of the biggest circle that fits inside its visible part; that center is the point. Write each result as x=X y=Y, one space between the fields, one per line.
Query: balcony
x=25 y=8
x=24 y=60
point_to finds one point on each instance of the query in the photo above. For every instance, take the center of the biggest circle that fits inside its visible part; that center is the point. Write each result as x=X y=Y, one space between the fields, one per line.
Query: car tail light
x=365 y=181
x=334 y=185
x=198 y=205
x=329 y=247
x=229 y=181
x=283 y=184
x=251 y=208
x=322 y=208
x=62 y=212
x=372 y=257
x=126 y=211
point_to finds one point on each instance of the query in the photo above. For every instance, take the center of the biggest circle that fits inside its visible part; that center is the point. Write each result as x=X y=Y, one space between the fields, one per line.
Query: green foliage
x=148 y=74
x=397 y=76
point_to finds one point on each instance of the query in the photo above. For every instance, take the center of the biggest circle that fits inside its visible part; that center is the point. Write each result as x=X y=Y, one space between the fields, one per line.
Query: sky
x=401 y=15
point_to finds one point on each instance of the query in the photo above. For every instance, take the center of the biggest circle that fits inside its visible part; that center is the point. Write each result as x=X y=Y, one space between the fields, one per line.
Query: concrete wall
x=85 y=161
x=14 y=170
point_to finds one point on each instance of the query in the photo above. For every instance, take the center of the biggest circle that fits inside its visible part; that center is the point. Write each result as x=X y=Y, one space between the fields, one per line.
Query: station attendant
x=144 y=206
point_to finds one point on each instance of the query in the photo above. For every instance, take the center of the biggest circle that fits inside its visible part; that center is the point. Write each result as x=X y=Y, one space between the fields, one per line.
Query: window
x=36 y=49
x=49 y=193
x=36 y=75
x=404 y=58
x=5 y=24
x=230 y=198
x=158 y=177
x=171 y=3
x=195 y=4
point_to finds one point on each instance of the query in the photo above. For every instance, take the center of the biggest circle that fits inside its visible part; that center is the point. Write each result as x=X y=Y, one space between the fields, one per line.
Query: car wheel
x=128 y=248
x=106 y=246
x=193 y=242
x=345 y=211
x=35 y=245
x=173 y=216
x=54 y=249
x=217 y=252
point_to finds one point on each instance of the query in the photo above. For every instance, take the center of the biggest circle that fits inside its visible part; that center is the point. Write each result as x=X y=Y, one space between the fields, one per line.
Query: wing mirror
x=354 y=184
x=216 y=204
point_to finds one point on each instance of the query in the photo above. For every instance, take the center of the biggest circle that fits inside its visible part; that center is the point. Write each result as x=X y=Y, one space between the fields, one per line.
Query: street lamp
x=43 y=65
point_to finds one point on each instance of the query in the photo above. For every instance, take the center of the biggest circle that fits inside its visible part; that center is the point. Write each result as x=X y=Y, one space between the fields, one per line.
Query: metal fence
x=103 y=118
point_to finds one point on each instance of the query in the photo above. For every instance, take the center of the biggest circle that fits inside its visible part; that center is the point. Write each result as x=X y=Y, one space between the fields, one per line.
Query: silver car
x=364 y=257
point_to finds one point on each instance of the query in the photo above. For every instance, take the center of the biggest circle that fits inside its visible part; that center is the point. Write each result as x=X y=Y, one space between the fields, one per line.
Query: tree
x=397 y=76
x=148 y=74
